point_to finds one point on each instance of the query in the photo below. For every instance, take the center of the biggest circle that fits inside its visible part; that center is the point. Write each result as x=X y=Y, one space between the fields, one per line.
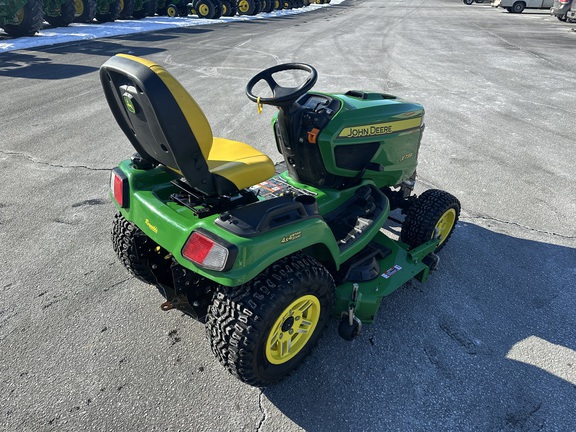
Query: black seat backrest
x=160 y=118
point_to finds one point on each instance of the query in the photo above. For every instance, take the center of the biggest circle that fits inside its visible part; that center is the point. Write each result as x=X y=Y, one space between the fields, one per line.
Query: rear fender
x=170 y=225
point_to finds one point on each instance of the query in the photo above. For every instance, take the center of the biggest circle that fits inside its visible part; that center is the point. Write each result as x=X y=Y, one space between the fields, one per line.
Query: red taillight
x=208 y=253
x=119 y=187
x=564 y=1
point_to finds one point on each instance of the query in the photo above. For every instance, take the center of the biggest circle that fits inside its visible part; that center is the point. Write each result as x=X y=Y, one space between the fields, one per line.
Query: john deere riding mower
x=21 y=17
x=265 y=254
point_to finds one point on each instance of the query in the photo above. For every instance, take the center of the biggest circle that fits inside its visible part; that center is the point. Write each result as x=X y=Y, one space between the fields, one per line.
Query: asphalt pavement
x=487 y=344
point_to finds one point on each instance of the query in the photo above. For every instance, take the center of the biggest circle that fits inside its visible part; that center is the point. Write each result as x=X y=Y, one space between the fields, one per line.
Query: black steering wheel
x=281 y=96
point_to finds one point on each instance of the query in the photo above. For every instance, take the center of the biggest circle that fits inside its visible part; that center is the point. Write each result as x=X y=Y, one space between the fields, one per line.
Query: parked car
x=518 y=6
x=571 y=14
x=560 y=9
x=469 y=2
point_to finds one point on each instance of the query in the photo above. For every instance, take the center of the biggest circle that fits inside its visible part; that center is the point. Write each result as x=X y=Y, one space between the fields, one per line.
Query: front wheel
x=267 y=6
x=247 y=7
x=207 y=9
x=433 y=214
x=228 y=8
x=261 y=331
x=468 y=2
x=518 y=7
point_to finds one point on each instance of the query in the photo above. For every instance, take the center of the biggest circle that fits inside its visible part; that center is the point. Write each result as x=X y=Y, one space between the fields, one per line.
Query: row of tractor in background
x=26 y=17
x=564 y=10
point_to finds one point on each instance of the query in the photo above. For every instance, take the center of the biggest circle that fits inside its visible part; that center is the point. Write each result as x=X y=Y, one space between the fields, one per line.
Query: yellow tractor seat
x=166 y=126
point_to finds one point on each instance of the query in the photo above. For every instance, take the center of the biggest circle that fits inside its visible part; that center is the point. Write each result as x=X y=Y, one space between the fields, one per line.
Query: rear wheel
x=518 y=7
x=30 y=19
x=84 y=10
x=247 y=7
x=468 y=2
x=66 y=16
x=134 y=249
x=262 y=330
x=172 y=10
x=162 y=6
x=150 y=7
x=109 y=12
x=228 y=8
x=434 y=213
x=267 y=6
x=139 y=14
x=278 y=4
x=127 y=9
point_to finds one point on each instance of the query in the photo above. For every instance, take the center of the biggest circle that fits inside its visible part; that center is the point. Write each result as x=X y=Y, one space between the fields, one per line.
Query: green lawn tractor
x=265 y=254
x=21 y=17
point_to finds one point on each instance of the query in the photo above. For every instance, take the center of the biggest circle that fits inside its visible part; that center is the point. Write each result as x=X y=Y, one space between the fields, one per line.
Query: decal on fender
x=380 y=128
x=152 y=227
x=293 y=236
x=391 y=271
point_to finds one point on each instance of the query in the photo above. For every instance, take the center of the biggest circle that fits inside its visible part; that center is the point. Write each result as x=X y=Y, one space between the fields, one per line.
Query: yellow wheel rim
x=445 y=225
x=293 y=329
x=243 y=6
x=203 y=10
x=121 y=5
x=78 y=7
x=172 y=12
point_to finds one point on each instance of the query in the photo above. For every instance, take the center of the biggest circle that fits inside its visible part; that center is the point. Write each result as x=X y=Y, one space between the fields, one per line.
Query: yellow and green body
x=170 y=224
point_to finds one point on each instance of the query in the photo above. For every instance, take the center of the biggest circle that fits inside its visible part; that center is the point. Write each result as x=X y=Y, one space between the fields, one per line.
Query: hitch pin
x=166 y=306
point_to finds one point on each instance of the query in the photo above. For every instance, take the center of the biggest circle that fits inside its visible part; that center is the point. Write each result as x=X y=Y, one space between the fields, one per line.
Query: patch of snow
x=77 y=31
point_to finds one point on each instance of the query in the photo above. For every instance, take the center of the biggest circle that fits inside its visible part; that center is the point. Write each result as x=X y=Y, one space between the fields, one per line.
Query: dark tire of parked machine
x=27 y=17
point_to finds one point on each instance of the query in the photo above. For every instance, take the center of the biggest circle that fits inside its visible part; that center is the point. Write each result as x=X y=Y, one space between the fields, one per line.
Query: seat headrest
x=160 y=118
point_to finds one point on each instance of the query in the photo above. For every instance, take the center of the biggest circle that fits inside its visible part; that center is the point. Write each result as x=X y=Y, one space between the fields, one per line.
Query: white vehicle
x=517 y=6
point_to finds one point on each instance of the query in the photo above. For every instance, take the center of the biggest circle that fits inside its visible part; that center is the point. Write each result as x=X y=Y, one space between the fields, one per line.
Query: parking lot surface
x=487 y=344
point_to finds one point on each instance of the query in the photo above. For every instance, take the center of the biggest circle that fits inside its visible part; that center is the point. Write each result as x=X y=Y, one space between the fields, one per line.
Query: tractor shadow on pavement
x=488 y=343
x=33 y=65
x=28 y=65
